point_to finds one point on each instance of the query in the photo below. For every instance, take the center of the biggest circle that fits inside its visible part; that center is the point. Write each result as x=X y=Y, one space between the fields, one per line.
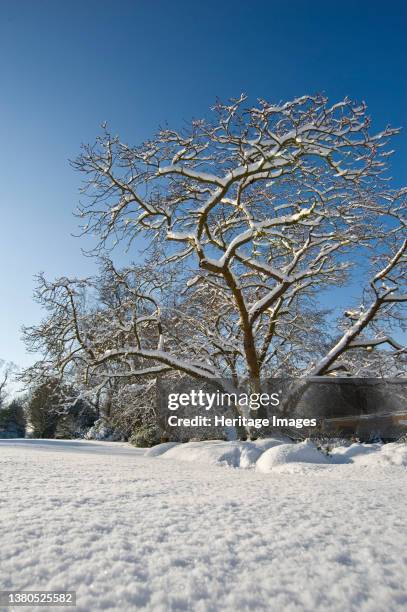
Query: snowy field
x=184 y=530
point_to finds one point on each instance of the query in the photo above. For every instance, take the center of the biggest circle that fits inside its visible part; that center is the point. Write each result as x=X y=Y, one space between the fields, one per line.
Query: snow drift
x=305 y=452
x=280 y=454
x=233 y=454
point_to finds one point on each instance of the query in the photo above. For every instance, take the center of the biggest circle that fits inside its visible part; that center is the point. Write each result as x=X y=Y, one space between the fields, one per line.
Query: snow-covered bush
x=326 y=442
x=76 y=420
x=102 y=430
x=133 y=407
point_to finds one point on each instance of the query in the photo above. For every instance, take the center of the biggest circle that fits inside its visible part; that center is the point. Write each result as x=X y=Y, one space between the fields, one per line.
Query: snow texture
x=132 y=531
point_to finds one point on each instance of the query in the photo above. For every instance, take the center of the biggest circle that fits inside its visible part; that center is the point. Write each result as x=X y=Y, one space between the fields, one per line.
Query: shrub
x=146 y=436
x=102 y=430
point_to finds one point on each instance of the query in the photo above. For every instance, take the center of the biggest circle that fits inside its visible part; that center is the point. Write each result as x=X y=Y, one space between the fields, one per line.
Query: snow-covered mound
x=160 y=449
x=280 y=454
x=305 y=452
x=371 y=454
x=233 y=454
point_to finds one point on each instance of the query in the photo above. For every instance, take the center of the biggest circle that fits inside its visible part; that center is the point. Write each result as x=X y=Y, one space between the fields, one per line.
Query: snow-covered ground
x=178 y=531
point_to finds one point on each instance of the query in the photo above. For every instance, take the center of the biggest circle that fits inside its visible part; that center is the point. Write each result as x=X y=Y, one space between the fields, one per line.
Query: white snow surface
x=183 y=530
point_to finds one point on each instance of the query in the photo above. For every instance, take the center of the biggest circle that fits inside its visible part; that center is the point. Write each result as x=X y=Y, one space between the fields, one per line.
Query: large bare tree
x=246 y=219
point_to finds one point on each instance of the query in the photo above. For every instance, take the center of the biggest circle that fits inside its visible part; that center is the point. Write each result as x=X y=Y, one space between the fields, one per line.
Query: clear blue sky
x=66 y=66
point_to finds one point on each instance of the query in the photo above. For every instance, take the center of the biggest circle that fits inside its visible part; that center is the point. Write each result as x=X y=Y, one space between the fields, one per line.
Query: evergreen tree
x=12 y=420
x=44 y=409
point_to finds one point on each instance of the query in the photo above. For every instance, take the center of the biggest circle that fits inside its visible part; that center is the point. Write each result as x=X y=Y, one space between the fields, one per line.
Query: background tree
x=76 y=419
x=45 y=407
x=3 y=383
x=7 y=370
x=12 y=420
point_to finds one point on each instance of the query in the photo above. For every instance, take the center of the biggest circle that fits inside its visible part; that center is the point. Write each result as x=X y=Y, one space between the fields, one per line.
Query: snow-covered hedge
x=279 y=454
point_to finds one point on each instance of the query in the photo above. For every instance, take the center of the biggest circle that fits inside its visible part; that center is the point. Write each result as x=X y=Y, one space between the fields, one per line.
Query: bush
x=146 y=436
x=76 y=421
x=133 y=407
x=102 y=430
